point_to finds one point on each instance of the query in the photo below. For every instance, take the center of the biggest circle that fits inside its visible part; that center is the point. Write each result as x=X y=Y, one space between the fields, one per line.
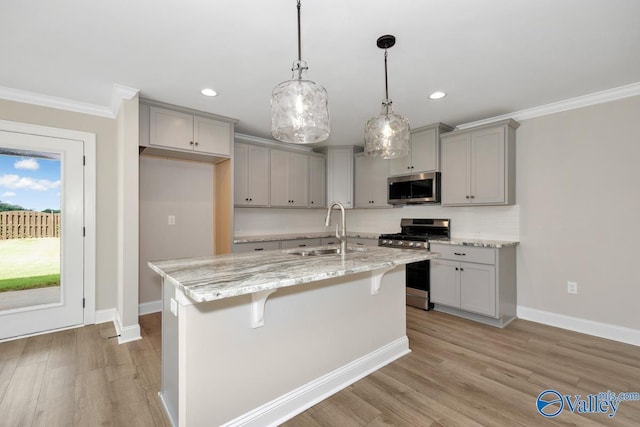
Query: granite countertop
x=223 y=276
x=301 y=235
x=480 y=243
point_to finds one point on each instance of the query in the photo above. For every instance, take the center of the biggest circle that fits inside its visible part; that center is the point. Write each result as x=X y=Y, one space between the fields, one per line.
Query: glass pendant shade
x=299 y=109
x=387 y=136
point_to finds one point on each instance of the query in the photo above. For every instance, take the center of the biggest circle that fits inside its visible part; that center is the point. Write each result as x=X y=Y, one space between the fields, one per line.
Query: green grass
x=22 y=283
x=29 y=263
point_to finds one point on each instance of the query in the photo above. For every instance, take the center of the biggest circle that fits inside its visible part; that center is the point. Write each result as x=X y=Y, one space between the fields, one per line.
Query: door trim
x=89 y=140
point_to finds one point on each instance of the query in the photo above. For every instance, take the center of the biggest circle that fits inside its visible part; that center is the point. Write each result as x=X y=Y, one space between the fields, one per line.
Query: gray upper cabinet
x=371 y=182
x=317 y=182
x=424 y=151
x=340 y=174
x=478 y=165
x=289 y=179
x=251 y=175
x=182 y=131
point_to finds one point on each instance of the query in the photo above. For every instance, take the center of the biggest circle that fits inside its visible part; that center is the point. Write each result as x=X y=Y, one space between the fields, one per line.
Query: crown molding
x=121 y=93
x=118 y=94
x=566 y=105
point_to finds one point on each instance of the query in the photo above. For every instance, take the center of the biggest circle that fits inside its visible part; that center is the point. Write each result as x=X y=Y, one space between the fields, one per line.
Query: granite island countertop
x=224 y=276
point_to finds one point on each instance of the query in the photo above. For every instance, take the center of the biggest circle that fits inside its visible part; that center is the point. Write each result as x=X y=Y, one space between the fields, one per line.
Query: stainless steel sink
x=321 y=251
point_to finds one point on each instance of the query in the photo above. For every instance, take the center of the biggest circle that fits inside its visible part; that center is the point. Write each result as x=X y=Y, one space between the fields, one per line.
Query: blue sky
x=30 y=182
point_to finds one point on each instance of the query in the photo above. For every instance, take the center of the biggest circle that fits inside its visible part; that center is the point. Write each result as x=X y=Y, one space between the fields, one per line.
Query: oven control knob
x=400 y=243
x=410 y=243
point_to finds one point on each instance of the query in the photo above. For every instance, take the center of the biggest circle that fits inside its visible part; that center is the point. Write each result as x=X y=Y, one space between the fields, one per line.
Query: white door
x=21 y=311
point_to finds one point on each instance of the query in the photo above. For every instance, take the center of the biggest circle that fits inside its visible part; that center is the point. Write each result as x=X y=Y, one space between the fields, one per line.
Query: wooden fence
x=28 y=224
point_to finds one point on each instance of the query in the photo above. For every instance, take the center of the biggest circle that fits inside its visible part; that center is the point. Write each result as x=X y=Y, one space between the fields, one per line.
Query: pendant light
x=386 y=136
x=299 y=107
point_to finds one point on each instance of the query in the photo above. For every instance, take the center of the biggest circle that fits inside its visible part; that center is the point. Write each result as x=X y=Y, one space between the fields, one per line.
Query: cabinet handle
x=459 y=253
x=461 y=269
x=473 y=197
x=251 y=200
x=456 y=268
x=312 y=202
x=411 y=167
x=301 y=246
x=196 y=144
x=190 y=142
x=258 y=249
x=466 y=197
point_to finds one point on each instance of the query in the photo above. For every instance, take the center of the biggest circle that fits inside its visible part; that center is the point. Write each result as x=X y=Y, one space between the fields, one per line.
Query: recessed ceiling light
x=437 y=95
x=208 y=92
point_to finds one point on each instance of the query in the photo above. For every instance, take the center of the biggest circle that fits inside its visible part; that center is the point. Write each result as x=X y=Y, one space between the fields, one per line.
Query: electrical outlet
x=572 y=287
x=172 y=220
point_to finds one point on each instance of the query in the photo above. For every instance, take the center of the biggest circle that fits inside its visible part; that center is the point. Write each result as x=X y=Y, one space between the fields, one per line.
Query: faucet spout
x=340 y=234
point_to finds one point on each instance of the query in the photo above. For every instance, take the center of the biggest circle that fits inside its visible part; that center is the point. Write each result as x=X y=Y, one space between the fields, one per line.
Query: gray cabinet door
x=317 y=178
x=455 y=170
x=445 y=282
x=171 y=129
x=478 y=288
x=251 y=175
x=488 y=166
x=211 y=136
x=424 y=151
x=280 y=178
x=299 y=179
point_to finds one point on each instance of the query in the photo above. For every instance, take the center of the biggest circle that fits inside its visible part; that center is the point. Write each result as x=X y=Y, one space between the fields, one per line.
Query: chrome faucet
x=340 y=234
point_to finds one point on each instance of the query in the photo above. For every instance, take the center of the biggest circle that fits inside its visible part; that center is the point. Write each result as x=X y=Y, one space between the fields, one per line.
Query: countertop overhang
x=224 y=276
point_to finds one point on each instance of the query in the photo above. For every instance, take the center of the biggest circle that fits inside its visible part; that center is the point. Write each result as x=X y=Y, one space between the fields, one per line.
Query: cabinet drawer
x=465 y=253
x=299 y=243
x=255 y=246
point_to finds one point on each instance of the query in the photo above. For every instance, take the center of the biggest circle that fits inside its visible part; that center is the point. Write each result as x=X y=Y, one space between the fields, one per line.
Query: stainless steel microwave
x=414 y=189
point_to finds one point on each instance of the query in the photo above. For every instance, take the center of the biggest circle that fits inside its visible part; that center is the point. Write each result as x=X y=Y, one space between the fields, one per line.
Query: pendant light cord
x=386 y=82
x=299 y=38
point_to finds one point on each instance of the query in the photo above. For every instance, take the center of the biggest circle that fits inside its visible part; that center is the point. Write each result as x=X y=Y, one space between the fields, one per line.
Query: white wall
x=183 y=189
x=579 y=196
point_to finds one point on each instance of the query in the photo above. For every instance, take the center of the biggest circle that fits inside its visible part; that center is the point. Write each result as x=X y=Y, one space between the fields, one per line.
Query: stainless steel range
x=415 y=234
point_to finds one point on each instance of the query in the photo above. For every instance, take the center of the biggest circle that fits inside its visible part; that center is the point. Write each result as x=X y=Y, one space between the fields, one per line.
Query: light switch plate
x=572 y=287
x=172 y=220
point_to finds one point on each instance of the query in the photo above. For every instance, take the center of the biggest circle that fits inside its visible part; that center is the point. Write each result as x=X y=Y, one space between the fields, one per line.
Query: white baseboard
x=150 y=307
x=126 y=333
x=590 y=327
x=104 y=316
x=291 y=404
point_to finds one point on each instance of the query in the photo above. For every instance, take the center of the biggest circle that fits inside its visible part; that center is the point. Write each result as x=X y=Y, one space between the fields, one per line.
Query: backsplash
x=479 y=222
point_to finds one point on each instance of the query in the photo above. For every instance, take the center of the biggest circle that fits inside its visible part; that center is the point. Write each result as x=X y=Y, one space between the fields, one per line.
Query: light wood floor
x=459 y=373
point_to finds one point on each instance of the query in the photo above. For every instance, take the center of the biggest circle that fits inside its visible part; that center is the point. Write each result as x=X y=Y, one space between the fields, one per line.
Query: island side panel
x=169 y=390
x=230 y=369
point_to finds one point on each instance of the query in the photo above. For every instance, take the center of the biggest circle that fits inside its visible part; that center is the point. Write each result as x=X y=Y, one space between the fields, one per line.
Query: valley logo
x=551 y=403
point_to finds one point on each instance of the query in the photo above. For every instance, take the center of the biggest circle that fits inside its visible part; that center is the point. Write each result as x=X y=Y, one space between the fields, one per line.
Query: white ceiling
x=492 y=57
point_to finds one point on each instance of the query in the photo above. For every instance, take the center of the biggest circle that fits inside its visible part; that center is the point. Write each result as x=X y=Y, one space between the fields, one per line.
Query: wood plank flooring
x=459 y=373
x=81 y=377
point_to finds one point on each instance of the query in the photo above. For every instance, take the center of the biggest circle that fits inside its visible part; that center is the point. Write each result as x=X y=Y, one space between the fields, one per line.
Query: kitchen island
x=256 y=338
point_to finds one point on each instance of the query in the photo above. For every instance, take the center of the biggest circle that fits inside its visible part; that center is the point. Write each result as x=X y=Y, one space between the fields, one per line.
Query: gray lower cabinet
x=255 y=246
x=355 y=241
x=476 y=283
x=299 y=243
